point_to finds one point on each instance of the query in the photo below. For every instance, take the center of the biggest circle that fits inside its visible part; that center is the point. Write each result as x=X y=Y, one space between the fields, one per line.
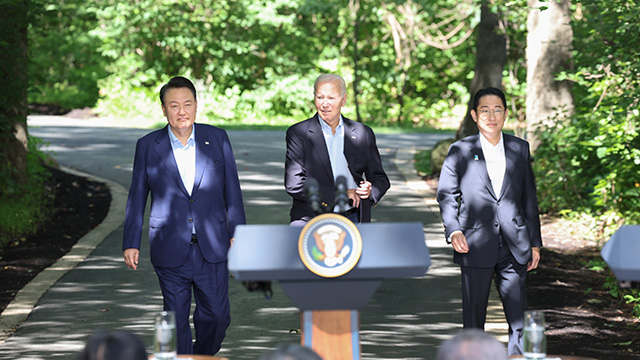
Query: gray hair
x=325 y=78
x=472 y=344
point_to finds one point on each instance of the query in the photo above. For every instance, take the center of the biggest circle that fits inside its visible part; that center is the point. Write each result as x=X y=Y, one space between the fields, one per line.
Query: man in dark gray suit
x=489 y=208
x=328 y=146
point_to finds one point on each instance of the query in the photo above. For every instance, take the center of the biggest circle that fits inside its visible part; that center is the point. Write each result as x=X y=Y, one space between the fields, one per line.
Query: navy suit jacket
x=215 y=205
x=308 y=157
x=468 y=202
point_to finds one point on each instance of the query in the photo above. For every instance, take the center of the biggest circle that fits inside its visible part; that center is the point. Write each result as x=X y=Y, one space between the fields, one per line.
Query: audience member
x=291 y=352
x=119 y=345
x=472 y=344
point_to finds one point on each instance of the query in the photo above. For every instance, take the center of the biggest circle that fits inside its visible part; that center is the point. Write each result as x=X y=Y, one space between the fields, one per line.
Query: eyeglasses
x=484 y=113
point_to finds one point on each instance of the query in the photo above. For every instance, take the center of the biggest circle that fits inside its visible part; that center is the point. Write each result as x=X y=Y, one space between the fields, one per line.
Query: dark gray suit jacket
x=468 y=202
x=307 y=157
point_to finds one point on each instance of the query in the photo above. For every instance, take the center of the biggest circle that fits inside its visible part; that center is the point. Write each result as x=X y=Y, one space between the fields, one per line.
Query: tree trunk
x=354 y=5
x=491 y=57
x=13 y=86
x=548 y=52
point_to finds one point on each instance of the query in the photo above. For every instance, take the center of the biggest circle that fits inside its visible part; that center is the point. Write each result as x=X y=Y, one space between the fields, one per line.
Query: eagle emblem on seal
x=330 y=245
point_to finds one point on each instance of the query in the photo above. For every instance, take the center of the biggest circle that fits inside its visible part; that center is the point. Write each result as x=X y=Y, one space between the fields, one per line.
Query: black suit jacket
x=468 y=202
x=307 y=157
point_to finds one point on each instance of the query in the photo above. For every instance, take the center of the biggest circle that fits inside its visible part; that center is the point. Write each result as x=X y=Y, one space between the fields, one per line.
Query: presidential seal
x=330 y=245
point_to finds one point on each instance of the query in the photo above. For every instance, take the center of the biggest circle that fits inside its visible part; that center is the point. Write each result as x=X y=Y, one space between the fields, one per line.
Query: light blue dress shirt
x=335 y=147
x=185 y=156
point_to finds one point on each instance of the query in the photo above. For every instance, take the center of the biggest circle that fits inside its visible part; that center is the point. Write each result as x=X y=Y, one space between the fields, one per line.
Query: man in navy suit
x=487 y=197
x=196 y=204
x=328 y=146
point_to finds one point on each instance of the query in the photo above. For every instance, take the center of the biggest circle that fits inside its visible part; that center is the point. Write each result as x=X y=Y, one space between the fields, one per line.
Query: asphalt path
x=406 y=318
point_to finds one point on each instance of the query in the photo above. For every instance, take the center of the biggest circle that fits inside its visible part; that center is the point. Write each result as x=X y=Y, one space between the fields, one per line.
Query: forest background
x=409 y=65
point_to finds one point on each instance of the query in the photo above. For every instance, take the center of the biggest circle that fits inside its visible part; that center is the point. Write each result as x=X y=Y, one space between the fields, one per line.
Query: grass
x=24 y=205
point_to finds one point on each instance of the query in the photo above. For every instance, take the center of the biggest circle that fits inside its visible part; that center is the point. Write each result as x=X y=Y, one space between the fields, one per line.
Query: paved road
x=406 y=319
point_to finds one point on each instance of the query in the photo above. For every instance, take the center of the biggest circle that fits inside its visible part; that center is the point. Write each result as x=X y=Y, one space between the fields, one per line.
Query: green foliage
x=597 y=265
x=514 y=19
x=629 y=296
x=589 y=163
x=634 y=298
x=65 y=64
x=252 y=60
x=424 y=85
x=248 y=58
x=423 y=163
x=24 y=206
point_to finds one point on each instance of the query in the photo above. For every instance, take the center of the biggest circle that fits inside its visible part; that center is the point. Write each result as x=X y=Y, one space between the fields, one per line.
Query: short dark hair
x=489 y=91
x=472 y=344
x=119 y=345
x=175 y=83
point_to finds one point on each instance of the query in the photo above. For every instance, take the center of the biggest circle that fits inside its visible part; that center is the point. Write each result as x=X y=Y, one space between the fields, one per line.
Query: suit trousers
x=210 y=285
x=511 y=283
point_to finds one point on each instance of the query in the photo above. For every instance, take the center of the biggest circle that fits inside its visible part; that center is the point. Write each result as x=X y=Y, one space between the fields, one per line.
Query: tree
x=13 y=92
x=354 y=7
x=589 y=164
x=549 y=46
x=491 y=57
x=410 y=25
x=63 y=30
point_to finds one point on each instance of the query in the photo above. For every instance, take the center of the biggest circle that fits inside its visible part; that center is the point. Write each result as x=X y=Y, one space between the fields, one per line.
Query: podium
x=329 y=306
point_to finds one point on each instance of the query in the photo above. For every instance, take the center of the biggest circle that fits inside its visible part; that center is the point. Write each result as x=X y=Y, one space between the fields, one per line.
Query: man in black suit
x=328 y=146
x=488 y=202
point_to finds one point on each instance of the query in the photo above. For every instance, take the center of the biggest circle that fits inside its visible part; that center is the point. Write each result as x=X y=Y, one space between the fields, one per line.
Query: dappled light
x=84 y=76
x=100 y=293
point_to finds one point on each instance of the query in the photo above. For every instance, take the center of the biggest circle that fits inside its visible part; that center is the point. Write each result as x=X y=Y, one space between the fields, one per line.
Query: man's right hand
x=459 y=242
x=131 y=258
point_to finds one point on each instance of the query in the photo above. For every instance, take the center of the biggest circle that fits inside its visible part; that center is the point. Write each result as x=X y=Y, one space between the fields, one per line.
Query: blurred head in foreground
x=119 y=345
x=291 y=352
x=472 y=344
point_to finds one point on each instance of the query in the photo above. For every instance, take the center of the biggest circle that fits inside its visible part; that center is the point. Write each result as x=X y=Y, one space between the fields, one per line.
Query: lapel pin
x=207 y=143
x=475 y=157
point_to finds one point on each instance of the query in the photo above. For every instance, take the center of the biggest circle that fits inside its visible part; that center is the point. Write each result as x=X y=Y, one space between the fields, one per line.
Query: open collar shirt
x=496 y=162
x=335 y=147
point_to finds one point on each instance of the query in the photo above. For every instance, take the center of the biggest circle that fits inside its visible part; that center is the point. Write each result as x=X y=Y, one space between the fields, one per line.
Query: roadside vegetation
x=24 y=205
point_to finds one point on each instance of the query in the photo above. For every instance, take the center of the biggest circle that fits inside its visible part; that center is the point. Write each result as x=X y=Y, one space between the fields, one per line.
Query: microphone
x=341 y=197
x=312 y=191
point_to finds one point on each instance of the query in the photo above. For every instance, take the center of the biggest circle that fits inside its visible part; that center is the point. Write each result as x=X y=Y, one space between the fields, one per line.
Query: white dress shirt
x=496 y=162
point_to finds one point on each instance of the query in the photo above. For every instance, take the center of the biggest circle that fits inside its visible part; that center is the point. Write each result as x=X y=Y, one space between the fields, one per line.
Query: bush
x=24 y=206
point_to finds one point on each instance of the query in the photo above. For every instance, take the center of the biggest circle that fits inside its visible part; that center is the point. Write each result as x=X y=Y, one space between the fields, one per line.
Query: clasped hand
x=362 y=192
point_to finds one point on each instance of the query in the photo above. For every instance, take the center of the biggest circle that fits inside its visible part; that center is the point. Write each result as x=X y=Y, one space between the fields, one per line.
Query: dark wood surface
x=562 y=357
x=197 y=357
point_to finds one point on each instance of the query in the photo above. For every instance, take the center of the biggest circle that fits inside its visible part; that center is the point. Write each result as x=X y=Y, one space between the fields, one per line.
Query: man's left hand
x=535 y=259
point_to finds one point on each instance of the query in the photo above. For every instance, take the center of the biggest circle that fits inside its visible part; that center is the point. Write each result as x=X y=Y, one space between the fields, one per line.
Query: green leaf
x=601 y=152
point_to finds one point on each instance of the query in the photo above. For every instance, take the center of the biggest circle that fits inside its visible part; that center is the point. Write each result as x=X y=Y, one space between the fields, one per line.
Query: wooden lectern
x=329 y=306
